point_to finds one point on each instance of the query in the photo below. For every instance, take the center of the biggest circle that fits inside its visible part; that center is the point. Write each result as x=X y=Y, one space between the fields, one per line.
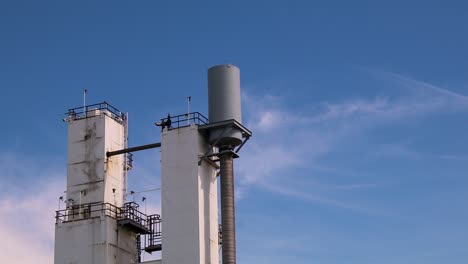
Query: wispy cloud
x=286 y=141
x=317 y=197
x=29 y=196
x=352 y=108
x=421 y=87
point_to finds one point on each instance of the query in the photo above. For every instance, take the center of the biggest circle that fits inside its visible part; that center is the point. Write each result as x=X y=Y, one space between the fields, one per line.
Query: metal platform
x=210 y=156
x=153 y=248
x=153 y=239
x=133 y=226
x=128 y=216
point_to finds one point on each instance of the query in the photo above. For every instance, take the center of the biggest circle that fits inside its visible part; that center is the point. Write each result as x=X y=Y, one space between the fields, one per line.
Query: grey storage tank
x=224 y=103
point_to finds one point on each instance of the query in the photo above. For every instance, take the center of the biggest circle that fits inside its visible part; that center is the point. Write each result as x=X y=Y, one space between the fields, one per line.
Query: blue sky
x=358 y=111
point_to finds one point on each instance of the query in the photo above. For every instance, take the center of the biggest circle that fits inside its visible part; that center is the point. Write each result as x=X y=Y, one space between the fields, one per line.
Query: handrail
x=185 y=120
x=85 y=211
x=87 y=111
x=129 y=211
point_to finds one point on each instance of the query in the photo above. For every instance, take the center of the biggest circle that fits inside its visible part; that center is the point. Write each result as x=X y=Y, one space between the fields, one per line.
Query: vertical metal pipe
x=227 y=208
x=189 y=98
x=84 y=102
x=125 y=165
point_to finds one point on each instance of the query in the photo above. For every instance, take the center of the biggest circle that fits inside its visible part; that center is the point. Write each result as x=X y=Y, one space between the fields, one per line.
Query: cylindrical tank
x=224 y=103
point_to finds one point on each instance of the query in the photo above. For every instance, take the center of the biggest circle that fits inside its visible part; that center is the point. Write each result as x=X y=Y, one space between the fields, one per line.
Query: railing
x=95 y=110
x=129 y=161
x=173 y=122
x=128 y=214
x=154 y=237
x=86 y=211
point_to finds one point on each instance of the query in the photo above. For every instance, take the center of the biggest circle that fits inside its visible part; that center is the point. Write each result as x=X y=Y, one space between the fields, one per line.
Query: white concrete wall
x=98 y=240
x=86 y=157
x=93 y=241
x=88 y=169
x=188 y=200
x=208 y=208
x=114 y=167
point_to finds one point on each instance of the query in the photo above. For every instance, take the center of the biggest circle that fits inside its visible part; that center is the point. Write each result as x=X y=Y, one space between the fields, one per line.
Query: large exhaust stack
x=225 y=104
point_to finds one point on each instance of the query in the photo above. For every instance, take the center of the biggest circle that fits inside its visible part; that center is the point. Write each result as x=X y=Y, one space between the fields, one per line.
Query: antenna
x=85 y=91
x=127 y=162
x=60 y=199
x=79 y=210
x=113 y=192
x=189 y=98
x=143 y=199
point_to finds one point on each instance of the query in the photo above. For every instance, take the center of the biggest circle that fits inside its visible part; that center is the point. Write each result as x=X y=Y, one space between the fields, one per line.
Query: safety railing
x=95 y=110
x=173 y=122
x=147 y=227
x=130 y=212
x=153 y=239
x=129 y=161
x=86 y=211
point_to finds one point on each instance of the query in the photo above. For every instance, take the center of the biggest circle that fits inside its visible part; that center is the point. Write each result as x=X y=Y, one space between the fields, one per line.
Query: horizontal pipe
x=132 y=149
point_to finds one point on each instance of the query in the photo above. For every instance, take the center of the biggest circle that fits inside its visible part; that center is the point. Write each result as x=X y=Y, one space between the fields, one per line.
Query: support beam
x=133 y=149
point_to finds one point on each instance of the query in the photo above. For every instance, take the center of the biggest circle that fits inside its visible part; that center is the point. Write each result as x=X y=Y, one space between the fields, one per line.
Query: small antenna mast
x=189 y=98
x=85 y=91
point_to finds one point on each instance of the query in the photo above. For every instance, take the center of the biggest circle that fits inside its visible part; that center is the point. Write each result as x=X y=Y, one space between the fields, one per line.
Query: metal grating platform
x=133 y=226
x=153 y=248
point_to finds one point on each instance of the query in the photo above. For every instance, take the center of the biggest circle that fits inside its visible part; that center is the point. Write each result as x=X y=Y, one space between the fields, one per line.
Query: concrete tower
x=193 y=154
x=189 y=198
x=88 y=230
